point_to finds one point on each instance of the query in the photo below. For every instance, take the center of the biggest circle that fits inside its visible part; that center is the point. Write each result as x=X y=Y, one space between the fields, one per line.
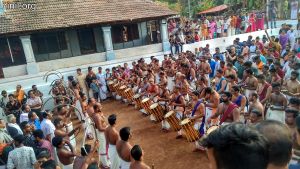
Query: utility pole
x=189 y=3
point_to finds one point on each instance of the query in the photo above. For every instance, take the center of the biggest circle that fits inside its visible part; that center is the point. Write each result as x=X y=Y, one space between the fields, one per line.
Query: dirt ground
x=160 y=149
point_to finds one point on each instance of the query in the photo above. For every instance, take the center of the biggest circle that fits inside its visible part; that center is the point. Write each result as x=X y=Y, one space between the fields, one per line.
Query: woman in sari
x=212 y=29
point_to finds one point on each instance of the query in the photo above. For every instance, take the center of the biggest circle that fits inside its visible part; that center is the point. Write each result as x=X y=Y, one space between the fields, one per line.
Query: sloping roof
x=214 y=9
x=52 y=14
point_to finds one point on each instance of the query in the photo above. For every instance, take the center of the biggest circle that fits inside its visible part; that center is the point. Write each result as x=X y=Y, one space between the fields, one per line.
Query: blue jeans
x=294 y=166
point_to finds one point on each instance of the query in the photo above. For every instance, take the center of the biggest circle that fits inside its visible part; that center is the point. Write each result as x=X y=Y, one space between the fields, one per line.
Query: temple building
x=42 y=35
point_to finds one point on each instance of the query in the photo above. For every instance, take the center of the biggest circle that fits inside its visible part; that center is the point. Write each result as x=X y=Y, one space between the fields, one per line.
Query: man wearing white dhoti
x=102 y=84
x=251 y=83
x=112 y=136
x=100 y=126
x=124 y=147
x=278 y=104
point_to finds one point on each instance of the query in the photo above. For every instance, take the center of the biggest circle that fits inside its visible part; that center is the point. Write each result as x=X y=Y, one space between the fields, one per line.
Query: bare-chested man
x=255 y=105
x=163 y=98
x=212 y=100
x=62 y=131
x=137 y=155
x=90 y=108
x=177 y=103
x=251 y=82
x=264 y=89
x=292 y=86
x=76 y=89
x=152 y=91
x=240 y=100
x=100 y=125
x=112 y=136
x=196 y=114
x=229 y=111
x=278 y=103
x=65 y=154
x=205 y=67
x=124 y=147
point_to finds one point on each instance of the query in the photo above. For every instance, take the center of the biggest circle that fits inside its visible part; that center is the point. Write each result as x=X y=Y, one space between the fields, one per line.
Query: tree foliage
x=181 y=6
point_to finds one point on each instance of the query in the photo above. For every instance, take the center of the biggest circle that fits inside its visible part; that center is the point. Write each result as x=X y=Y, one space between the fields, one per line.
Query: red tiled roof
x=214 y=9
x=52 y=14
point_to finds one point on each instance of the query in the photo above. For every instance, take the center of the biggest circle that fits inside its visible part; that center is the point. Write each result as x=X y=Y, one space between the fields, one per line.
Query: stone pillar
x=164 y=35
x=32 y=66
x=110 y=54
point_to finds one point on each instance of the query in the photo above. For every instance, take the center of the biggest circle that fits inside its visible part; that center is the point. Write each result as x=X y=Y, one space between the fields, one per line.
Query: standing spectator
x=35 y=103
x=42 y=143
x=260 y=21
x=273 y=15
x=219 y=27
x=227 y=27
x=81 y=80
x=212 y=29
x=95 y=89
x=34 y=120
x=102 y=82
x=88 y=80
x=292 y=34
x=22 y=157
x=233 y=25
x=12 y=127
x=238 y=25
x=47 y=126
x=204 y=31
x=178 y=44
x=3 y=101
x=172 y=43
x=25 y=111
x=294 y=9
x=283 y=39
x=20 y=94
x=28 y=137
x=37 y=92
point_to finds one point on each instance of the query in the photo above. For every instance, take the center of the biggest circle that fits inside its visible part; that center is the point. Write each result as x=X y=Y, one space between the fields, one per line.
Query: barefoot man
x=197 y=114
x=124 y=148
x=100 y=126
x=255 y=104
x=137 y=154
x=112 y=136
x=278 y=103
x=65 y=155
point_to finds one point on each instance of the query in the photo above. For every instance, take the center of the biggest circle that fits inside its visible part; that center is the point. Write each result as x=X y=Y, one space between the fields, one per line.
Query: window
x=11 y=52
x=153 y=32
x=86 y=41
x=124 y=36
x=49 y=46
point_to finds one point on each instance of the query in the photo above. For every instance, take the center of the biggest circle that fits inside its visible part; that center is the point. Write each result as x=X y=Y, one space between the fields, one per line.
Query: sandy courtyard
x=161 y=149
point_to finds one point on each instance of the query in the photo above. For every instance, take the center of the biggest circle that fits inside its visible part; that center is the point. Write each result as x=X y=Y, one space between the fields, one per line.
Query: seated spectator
x=25 y=111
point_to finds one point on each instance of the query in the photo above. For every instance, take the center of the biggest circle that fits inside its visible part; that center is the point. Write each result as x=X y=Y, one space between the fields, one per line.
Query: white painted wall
x=138 y=51
x=14 y=71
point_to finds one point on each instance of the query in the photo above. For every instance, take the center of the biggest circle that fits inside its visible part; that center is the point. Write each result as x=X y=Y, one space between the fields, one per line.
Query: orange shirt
x=233 y=21
x=20 y=95
x=260 y=65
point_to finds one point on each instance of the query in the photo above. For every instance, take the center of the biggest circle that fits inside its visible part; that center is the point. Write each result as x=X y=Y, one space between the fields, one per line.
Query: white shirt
x=21 y=158
x=24 y=117
x=34 y=101
x=16 y=126
x=47 y=127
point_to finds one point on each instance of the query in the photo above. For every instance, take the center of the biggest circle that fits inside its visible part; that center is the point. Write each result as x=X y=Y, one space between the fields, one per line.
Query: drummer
x=278 y=103
x=177 y=103
x=292 y=86
x=251 y=83
x=197 y=115
x=152 y=92
x=228 y=110
x=240 y=100
x=212 y=99
x=163 y=98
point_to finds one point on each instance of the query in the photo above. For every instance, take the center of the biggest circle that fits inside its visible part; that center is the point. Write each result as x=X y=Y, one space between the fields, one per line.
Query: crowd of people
x=251 y=91
x=185 y=31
